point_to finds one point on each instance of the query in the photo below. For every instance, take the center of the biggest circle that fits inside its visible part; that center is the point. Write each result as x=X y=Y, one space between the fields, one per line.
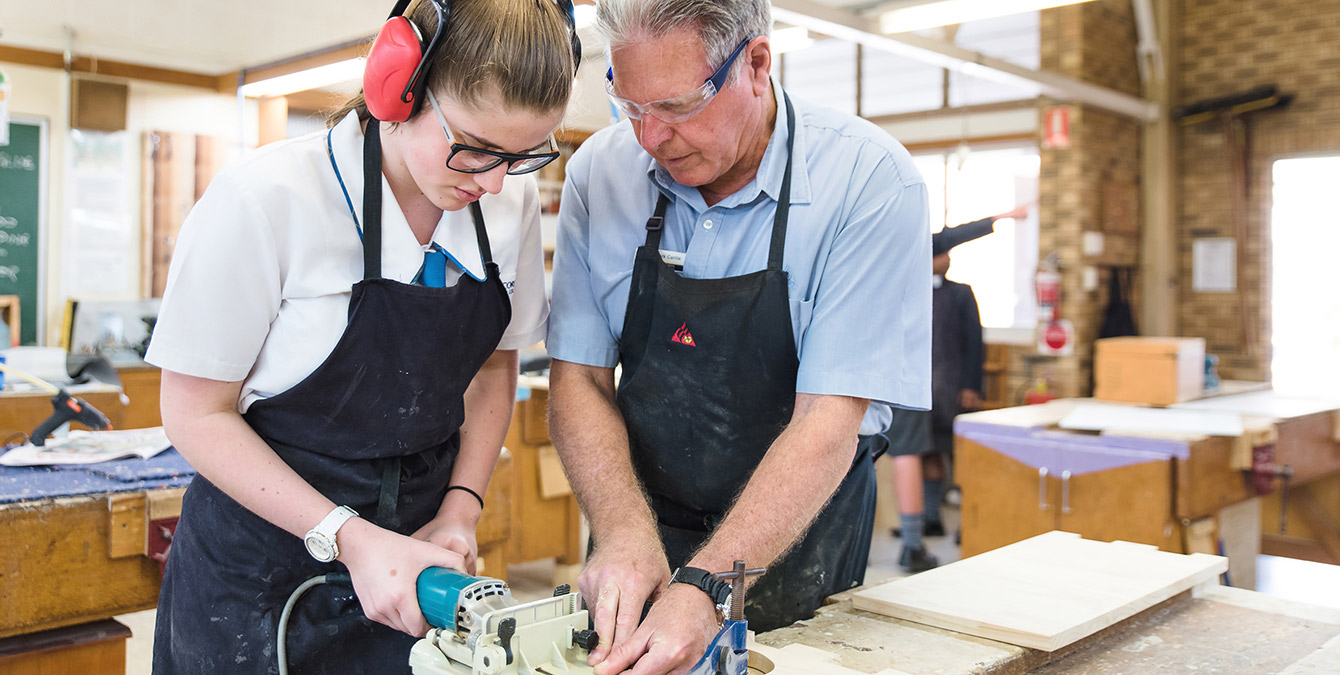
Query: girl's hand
x=455 y=536
x=385 y=567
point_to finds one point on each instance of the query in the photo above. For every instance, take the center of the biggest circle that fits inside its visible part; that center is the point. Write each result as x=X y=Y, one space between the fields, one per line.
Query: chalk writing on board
x=10 y=272
x=7 y=239
x=9 y=223
x=20 y=162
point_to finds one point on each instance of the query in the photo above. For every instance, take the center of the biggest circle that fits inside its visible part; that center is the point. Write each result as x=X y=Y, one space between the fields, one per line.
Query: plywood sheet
x=1045 y=592
x=801 y=660
x=1118 y=419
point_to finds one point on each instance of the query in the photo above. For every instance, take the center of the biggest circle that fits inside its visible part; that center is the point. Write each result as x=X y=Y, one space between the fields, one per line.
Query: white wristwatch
x=320 y=540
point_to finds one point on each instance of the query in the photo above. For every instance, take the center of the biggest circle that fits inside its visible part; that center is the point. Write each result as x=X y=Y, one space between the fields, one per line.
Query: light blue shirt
x=858 y=251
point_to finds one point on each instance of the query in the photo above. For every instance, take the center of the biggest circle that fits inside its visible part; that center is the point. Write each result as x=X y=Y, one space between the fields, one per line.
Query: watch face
x=320 y=547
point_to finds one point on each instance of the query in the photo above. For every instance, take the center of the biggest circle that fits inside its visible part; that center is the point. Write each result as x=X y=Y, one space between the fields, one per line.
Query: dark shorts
x=910 y=433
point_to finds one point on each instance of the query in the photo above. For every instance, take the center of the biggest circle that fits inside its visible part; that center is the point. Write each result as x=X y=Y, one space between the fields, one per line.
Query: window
x=967 y=184
x=824 y=73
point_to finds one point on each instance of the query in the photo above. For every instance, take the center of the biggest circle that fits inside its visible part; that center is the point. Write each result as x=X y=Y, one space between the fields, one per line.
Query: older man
x=760 y=267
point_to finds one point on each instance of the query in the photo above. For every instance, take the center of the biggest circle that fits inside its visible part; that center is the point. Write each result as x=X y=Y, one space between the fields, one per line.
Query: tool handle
x=48 y=425
x=1065 y=492
x=1042 y=488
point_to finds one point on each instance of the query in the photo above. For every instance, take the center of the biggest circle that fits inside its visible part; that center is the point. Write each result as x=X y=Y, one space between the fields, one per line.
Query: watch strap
x=703 y=580
x=335 y=520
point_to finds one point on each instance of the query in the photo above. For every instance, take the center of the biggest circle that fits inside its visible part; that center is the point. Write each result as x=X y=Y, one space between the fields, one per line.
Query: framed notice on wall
x=23 y=215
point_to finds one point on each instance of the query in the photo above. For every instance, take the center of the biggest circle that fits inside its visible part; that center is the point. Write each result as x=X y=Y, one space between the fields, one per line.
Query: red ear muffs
x=395 y=56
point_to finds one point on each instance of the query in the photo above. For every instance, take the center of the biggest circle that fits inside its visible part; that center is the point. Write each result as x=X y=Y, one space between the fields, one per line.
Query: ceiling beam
x=847 y=25
x=96 y=66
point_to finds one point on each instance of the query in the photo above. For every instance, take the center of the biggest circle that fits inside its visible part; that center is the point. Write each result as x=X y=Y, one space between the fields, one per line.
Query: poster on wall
x=99 y=218
x=1214 y=265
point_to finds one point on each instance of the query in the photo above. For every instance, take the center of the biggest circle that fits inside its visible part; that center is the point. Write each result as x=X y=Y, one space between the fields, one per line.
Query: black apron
x=375 y=427
x=709 y=382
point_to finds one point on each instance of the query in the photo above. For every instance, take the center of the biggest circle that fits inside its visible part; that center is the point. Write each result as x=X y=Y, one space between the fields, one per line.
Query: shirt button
x=707 y=225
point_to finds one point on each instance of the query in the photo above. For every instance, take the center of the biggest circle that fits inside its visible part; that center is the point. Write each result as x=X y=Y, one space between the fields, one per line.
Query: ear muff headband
x=568 y=12
x=395 y=74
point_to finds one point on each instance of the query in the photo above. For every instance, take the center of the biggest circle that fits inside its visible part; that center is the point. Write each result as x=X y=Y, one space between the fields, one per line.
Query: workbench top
x=1210 y=629
x=167 y=469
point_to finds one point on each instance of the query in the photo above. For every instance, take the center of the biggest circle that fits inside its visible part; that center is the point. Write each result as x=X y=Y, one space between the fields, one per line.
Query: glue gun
x=69 y=409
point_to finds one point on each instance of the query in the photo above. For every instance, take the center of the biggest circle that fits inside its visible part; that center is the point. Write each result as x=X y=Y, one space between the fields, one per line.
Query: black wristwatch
x=716 y=589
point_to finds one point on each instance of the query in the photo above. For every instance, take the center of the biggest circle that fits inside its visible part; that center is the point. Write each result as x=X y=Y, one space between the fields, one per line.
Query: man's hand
x=969 y=400
x=618 y=580
x=674 y=636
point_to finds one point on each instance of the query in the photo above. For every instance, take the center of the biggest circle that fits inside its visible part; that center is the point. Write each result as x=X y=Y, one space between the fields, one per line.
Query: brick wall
x=1228 y=47
x=1094 y=42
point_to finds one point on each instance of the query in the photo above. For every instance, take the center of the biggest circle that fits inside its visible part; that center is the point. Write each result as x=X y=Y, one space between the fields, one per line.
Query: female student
x=339 y=361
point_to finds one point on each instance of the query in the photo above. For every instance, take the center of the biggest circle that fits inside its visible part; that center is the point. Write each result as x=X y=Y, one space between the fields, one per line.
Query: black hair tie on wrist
x=472 y=494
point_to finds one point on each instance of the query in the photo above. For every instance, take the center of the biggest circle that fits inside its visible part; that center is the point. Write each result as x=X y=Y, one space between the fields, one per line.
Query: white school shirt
x=258 y=290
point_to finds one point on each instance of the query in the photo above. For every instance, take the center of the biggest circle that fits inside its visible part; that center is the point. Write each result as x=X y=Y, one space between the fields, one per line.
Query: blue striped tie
x=434 y=272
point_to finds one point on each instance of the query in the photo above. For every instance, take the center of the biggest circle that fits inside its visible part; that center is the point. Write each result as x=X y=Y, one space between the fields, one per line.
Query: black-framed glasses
x=469 y=159
x=678 y=108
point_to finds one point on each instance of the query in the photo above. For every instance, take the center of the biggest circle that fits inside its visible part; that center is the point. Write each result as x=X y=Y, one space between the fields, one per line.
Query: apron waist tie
x=390 y=494
x=673 y=514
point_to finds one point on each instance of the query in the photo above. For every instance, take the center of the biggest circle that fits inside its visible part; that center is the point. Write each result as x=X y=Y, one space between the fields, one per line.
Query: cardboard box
x=1156 y=371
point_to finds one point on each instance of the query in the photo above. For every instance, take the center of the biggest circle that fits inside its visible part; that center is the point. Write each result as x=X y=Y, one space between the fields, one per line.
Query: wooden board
x=800 y=660
x=1045 y=592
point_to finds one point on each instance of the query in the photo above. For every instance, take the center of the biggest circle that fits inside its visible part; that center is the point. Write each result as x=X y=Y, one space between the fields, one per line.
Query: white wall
x=44 y=93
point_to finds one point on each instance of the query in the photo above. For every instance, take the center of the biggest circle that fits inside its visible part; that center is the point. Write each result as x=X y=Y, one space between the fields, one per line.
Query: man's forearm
x=800 y=472
x=592 y=441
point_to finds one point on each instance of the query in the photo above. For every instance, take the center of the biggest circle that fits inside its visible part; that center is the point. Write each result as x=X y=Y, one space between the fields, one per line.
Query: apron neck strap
x=372 y=200
x=776 y=251
x=656 y=223
x=778 y=248
x=372 y=207
x=482 y=235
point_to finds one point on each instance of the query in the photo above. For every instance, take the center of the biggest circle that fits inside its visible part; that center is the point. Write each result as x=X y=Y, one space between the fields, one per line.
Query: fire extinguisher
x=1056 y=336
x=1047 y=285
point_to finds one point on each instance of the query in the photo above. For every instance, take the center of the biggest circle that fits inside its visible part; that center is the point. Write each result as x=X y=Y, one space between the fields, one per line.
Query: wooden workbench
x=1211 y=629
x=546 y=520
x=1022 y=476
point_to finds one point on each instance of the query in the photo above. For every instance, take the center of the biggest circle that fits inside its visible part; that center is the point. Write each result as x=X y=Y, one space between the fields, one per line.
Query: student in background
x=956 y=357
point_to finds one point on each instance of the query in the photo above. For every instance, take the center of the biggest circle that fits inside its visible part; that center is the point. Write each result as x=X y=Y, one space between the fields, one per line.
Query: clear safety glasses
x=682 y=107
x=469 y=159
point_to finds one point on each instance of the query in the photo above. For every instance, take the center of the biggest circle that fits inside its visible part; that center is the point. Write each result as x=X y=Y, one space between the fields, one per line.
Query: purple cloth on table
x=168 y=469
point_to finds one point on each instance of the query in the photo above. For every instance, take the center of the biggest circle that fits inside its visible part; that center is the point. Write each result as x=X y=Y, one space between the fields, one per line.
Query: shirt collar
x=937 y=281
x=455 y=233
x=771 y=170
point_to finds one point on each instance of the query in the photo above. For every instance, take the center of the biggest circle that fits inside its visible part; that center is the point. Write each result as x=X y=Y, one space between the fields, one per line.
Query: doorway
x=1305 y=288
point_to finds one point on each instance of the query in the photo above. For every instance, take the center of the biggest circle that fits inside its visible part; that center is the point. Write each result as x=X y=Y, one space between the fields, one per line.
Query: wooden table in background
x=1022 y=476
x=22 y=411
x=546 y=521
x=142 y=384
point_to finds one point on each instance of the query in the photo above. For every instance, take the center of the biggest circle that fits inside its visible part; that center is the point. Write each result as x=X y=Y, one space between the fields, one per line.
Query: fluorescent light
x=790 y=39
x=312 y=78
x=950 y=12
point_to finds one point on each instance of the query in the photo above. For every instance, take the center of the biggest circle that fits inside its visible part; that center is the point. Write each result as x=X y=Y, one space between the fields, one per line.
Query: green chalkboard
x=21 y=227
